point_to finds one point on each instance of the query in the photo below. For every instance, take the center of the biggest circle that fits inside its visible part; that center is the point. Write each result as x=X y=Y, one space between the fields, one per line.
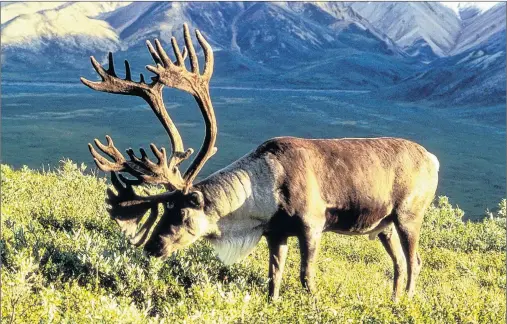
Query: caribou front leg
x=277 y=256
x=309 y=243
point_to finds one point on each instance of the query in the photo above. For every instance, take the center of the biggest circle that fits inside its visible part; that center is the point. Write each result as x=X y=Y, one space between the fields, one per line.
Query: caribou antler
x=127 y=209
x=142 y=168
x=176 y=75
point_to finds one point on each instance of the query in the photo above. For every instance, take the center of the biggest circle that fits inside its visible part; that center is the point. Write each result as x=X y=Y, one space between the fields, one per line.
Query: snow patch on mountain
x=146 y=20
x=406 y=23
x=21 y=31
x=345 y=16
x=480 y=28
x=69 y=24
x=12 y=10
x=458 y=7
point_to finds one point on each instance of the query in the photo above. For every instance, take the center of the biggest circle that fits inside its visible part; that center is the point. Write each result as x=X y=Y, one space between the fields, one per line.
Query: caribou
x=286 y=187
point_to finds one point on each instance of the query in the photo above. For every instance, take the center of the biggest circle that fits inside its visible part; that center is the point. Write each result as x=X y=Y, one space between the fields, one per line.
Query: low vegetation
x=64 y=260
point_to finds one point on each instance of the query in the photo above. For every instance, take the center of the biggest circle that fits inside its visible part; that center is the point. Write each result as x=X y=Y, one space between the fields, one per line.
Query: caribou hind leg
x=277 y=255
x=408 y=227
x=391 y=242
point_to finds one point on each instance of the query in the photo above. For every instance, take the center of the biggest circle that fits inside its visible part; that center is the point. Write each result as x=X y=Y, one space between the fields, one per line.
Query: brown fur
x=349 y=186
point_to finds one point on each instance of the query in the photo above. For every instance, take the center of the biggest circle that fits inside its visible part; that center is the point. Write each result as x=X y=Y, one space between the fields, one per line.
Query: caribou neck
x=240 y=200
x=244 y=192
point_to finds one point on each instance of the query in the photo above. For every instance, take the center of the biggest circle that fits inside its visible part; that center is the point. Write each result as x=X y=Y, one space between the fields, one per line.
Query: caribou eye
x=196 y=199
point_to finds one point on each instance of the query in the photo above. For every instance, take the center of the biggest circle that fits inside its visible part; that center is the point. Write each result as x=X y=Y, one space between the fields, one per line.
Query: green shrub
x=444 y=227
x=64 y=260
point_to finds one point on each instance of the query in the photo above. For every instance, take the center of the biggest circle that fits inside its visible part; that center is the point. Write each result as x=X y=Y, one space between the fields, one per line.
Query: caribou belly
x=357 y=221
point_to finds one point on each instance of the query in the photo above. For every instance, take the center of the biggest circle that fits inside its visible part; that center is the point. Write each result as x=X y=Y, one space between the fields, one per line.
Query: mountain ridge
x=367 y=45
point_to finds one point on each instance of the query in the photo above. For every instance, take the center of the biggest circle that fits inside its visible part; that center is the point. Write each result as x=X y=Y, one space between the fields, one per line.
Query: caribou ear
x=196 y=199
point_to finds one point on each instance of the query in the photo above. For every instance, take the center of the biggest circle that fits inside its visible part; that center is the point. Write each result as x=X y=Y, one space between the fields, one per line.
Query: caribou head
x=183 y=220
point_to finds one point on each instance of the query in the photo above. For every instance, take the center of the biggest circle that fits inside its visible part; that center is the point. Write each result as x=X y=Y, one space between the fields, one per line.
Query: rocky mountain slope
x=414 y=47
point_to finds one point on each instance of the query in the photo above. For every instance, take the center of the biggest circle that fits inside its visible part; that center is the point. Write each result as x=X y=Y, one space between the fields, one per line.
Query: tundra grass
x=64 y=260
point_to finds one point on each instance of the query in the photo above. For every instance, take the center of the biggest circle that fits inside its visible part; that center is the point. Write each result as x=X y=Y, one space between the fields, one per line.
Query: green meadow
x=65 y=261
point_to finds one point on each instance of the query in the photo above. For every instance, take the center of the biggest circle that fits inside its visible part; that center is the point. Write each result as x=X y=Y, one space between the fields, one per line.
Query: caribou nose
x=152 y=249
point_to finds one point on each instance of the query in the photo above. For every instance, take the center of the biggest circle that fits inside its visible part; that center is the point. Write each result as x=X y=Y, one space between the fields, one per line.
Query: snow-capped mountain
x=460 y=7
x=163 y=20
x=408 y=46
x=468 y=13
x=36 y=27
x=475 y=70
x=12 y=10
x=414 y=24
x=261 y=30
x=268 y=39
x=480 y=27
x=267 y=33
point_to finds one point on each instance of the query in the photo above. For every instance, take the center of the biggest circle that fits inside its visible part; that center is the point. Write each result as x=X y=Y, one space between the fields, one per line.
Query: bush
x=444 y=227
x=64 y=260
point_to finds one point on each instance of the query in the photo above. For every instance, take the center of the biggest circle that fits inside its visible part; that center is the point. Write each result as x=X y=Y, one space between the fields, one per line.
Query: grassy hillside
x=65 y=261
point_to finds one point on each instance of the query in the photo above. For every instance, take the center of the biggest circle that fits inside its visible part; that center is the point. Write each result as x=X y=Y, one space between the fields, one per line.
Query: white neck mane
x=242 y=199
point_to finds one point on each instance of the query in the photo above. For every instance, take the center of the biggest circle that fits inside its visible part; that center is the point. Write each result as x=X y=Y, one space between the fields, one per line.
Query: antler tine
x=110 y=149
x=143 y=169
x=119 y=164
x=101 y=162
x=194 y=63
x=153 y=53
x=209 y=60
x=160 y=172
x=142 y=234
x=163 y=55
x=128 y=75
x=110 y=69
x=179 y=58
